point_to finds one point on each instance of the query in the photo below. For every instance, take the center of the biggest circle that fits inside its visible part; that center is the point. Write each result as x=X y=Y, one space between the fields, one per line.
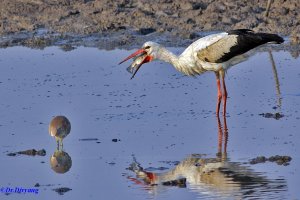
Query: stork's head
x=147 y=53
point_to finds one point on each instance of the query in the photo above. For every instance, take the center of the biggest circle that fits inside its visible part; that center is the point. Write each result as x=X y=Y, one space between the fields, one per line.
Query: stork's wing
x=234 y=43
x=203 y=43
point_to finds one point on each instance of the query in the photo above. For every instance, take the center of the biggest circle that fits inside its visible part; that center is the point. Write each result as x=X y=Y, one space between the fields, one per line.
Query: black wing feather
x=247 y=40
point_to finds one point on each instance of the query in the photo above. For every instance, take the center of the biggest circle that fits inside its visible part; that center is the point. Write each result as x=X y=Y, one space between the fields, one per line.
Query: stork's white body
x=190 y=64
x=189 y=56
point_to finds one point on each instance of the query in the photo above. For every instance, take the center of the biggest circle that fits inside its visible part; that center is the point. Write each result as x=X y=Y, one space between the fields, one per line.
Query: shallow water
x=162 y=120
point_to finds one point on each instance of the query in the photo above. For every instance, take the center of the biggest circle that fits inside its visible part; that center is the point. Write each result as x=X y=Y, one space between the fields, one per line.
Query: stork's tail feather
x=261 y=37
x=267 y=37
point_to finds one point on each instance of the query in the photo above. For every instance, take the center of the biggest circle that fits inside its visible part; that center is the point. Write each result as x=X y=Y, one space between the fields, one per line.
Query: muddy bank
x=30 y=152
x=125 y=39
x=280 y=160
x=178 y=18
x=128 y=24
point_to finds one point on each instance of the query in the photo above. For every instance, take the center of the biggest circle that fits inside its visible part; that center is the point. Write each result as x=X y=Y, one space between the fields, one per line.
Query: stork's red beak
x=137 y=53
x=140 y=52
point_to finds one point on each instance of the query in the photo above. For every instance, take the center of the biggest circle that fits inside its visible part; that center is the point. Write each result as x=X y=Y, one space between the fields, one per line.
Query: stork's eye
x=147 y=47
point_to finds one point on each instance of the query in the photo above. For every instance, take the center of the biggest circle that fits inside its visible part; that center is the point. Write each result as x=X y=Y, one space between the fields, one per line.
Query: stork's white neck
x=183 y=63
x=167 y=56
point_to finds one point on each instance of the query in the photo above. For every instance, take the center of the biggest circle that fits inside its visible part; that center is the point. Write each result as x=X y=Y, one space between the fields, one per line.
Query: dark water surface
x=164 y=124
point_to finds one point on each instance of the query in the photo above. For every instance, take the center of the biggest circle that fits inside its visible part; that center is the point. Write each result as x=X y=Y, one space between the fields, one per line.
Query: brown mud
x=126 y=23
x=29 y=152
x=280 y=160
x=179 y=17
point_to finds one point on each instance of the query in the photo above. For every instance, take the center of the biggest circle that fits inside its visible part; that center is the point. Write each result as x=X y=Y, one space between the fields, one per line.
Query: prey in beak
x=139 y=58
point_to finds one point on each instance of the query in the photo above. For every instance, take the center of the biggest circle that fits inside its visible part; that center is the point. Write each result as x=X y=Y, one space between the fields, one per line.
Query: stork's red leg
x=224 y=92
x=219 y=93
x=220 y=136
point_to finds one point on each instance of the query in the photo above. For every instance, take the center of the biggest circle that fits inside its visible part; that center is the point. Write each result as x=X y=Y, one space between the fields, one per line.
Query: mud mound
x=180 y=18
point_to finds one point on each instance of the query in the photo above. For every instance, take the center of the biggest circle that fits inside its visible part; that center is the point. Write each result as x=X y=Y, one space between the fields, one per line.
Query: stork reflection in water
x=214 y=176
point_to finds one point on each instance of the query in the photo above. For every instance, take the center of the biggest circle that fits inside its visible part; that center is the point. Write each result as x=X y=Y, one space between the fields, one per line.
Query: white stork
x=214 y=52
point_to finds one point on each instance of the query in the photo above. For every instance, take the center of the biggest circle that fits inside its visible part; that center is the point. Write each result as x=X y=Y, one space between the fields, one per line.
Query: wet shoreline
x=119 y=40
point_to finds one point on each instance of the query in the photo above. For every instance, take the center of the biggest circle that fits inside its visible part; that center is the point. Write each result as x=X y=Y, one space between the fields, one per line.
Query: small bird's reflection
x=210 y=176
x=61 y=161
